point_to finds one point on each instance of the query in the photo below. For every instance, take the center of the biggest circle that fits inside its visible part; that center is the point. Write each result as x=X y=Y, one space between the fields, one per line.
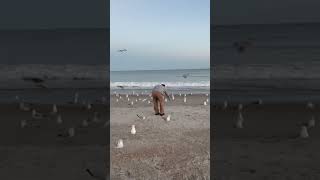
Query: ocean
x=177 y=81
x=280 y=64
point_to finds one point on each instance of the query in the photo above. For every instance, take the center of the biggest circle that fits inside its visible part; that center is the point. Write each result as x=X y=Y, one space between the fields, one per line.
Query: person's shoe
x=157 y=114
x=162 y=114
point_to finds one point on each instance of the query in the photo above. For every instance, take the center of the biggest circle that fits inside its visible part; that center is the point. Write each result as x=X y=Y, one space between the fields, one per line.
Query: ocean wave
x=171 y=85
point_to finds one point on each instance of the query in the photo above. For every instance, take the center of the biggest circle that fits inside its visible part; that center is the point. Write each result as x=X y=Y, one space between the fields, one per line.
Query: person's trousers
x=158 y=101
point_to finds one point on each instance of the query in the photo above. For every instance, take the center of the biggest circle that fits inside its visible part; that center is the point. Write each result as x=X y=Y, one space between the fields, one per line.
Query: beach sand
x=177 y=149
x=268 y=147
x=41 y=149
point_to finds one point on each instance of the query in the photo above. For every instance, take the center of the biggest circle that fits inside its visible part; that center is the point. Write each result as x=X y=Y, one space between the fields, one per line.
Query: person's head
x=163 y=85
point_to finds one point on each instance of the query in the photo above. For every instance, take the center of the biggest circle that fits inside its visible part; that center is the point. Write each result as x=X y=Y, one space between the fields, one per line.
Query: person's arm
x=165 y=92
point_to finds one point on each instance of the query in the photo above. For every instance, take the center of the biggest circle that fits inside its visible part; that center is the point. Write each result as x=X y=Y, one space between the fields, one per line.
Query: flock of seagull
x=94 y=117
x=70 y=132
x=147 y=101
x=304 y=128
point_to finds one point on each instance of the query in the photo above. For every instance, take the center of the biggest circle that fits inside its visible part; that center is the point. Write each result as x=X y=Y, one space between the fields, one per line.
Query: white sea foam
x=173 y=85
x=53 y=72
x=267 y=71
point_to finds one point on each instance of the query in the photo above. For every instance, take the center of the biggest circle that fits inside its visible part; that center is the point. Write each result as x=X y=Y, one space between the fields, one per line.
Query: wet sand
x=160 y=149
x=268 y=147
x=43 y=148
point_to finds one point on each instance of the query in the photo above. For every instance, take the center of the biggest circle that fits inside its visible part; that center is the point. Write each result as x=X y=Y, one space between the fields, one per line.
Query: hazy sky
x=160 y=34
x=264 y=11
x=52 y=14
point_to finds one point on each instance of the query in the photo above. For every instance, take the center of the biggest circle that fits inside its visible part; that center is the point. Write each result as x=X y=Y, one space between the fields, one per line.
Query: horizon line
x=160 y=69
x=252 y=24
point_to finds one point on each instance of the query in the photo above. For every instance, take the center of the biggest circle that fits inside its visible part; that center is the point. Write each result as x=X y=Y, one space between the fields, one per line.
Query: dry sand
x=41 y=151
x=268 y=147
x=178 y=149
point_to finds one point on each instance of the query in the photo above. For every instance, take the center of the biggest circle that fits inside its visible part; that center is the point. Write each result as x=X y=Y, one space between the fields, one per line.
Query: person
x=158 y=94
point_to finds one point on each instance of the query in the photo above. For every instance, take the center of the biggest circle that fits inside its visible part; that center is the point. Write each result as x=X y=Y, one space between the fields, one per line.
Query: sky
x=228 y=12
x=159 y=34
x=53 y=14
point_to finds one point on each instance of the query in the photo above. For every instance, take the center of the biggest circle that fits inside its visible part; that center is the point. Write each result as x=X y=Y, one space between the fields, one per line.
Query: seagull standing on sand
x=85 y=123
x=239 y=123
x=89 y=106
x=168 y=118
x=310 y=105
x=312 y=122
x=304 y=132
x=133 y=129
x=23 y=123
x=185 y=99
x=36 y=115
x=59 y=119
x=76 y=97
x=119 y=143
x=96 y=117
x=240 y=107
x=71 y=132
x=54 y=109
x=23 y=107
x=225 y=104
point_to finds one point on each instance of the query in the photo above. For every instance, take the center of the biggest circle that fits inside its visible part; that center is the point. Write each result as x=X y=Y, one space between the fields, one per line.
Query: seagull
x=54 y=109
x=205 y=103
x=239 y=123
x=71 y=132
x=312 y=122
x=310 y=105
x=89 y=106
x=168 y=117
x=240 y=106
x=59 y=119
x=185 y=75
x=23 y=123
x=36 y=81
x=76 y=96
x=23 y=107
x=120 y=143
x=225 y=104
x=133 y=129
x=96 y=116
x=304 y=132
x=122 y=50
x=85 y=123
x=37 y=115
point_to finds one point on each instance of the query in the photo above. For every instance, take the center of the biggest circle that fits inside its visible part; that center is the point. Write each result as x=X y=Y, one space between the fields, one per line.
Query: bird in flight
x=185 y=75
x=122 y=50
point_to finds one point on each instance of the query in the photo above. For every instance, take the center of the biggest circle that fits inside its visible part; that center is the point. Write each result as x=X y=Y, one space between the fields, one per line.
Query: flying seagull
x=185 y=75
x=122 y=50
x=37 y=81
